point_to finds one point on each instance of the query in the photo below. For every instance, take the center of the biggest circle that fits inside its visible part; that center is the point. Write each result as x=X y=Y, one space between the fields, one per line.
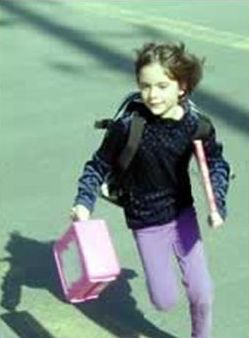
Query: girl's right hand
x=215 y=220
x=79 y=213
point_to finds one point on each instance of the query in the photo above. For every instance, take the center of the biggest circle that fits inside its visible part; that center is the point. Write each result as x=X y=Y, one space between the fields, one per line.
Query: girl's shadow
x=32 y=264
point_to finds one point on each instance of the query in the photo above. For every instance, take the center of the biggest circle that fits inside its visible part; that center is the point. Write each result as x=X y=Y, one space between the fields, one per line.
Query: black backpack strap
x=204 y=128
x=135 y=135
x=131 y=98
x=107 y=123
x=103 y=124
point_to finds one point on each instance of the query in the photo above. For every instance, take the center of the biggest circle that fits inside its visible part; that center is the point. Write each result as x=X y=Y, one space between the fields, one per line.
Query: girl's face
x=159 y=92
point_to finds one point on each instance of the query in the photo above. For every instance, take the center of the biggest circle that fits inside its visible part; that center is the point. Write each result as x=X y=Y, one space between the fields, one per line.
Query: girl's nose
x=153 y=93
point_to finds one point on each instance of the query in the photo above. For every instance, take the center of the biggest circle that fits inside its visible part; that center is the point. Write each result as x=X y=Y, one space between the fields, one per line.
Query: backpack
x=111 y=189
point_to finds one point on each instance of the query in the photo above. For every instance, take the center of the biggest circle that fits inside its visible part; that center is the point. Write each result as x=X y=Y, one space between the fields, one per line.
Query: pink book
x=86 y=260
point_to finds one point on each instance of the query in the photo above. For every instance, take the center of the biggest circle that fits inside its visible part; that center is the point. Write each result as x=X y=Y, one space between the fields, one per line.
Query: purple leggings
x=180 y=238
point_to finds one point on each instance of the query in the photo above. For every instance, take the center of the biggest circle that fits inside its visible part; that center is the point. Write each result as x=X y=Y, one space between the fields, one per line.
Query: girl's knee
x=201 y=292
x=203 y=297
x=164 y=304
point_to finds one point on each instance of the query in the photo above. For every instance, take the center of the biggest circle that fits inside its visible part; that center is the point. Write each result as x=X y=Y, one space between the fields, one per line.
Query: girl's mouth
x=154 y=104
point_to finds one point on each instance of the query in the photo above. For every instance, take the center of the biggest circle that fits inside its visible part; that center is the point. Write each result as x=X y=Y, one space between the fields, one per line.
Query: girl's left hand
x=215 y=221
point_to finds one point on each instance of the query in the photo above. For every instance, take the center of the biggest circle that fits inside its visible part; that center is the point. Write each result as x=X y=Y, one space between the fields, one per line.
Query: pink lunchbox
x=86 y=260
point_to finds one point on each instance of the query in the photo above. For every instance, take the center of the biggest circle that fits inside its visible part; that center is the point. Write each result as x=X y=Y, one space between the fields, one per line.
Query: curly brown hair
x=178 y=63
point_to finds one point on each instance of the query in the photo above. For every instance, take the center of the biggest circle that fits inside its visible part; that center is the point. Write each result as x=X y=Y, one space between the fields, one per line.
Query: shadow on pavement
x=25 y=325
x=68 y=68
x=32 y=264
x=230 y=114
x=117 y=310
x=75 y=38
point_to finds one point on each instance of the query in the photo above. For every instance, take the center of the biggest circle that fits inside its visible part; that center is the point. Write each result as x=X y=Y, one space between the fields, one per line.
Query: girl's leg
x=196 y=278
x=155 y=248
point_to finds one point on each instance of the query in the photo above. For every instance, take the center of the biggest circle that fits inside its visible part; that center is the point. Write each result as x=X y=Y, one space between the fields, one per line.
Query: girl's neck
x=174 y=113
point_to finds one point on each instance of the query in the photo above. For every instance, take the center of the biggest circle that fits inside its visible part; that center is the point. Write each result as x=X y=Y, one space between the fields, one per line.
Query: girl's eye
x=163 y=86
x=144 y=86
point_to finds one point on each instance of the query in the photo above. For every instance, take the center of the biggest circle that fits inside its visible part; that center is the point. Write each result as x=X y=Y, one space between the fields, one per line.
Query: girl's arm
x=219 y=170
x=95 y=171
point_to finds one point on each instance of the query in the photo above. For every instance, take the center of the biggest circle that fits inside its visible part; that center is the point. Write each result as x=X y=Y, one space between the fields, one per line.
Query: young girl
x=157 y=198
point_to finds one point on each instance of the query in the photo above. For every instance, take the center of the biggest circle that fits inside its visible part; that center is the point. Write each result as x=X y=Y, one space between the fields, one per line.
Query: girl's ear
x=183 y=89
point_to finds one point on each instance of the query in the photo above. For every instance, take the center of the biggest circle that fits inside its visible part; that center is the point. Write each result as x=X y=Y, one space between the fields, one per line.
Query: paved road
x=64 y=64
